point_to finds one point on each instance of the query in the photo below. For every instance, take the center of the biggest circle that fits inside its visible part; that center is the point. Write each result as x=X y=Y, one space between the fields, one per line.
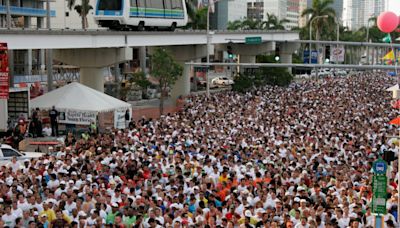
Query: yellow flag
x=389 y=55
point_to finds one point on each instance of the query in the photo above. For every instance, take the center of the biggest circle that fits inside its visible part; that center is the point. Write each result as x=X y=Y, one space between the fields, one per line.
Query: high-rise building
x=255 y=9
x=228 y=11
x=26 y=14
x=302 y=7
x=293 y=14
x=356 y=13
x=338 y=7
x=258 y=9
x=69 y=18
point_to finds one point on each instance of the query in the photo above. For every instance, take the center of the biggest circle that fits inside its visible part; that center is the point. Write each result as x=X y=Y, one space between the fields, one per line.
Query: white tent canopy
x=78 y=97
x=395 y=91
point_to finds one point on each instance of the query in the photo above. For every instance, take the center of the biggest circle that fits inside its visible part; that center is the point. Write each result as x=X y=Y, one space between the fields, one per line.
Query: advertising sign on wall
x=77 y=117
x=119 y=119
x=4 y=74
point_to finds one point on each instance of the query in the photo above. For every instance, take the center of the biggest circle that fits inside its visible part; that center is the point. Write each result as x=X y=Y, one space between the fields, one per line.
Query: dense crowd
x=274 y=157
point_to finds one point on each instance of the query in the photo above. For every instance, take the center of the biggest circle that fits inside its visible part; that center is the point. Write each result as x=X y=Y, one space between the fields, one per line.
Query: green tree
x=197 y=17
x=166 y=70
x=235 y=25
x=245 y=24
x=82 y=9
x=265 y=76
x=273 y=23
x=139 y=79
x=252 y=24
x=320 y=8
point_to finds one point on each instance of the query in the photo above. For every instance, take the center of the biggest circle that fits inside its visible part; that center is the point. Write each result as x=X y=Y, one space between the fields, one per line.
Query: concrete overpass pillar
x=142 y=59
x=286 y=52
x=247 y=59
x=182 y=85
x=92 y=77
x=27 y=22
x=183 y=54
x=92 y=62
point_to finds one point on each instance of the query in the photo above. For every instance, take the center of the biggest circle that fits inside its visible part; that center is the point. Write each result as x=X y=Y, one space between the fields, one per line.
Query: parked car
x=200 y=82
x=7 y=153
x=338 y=72
x=221 y=81
x=303 y=76
x=321 y=73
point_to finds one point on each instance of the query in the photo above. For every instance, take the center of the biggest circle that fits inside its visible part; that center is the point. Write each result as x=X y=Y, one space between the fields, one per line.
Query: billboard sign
x=337 y=54
x=4 y=72
x=314 y=57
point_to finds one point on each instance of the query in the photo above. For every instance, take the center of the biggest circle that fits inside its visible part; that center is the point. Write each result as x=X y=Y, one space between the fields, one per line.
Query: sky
x=394 y=5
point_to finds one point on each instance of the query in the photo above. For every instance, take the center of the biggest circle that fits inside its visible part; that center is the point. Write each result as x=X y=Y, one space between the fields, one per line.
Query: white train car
x=141 y=14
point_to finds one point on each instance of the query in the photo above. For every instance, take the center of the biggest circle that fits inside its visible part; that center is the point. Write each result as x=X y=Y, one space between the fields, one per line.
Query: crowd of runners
x=295 y=157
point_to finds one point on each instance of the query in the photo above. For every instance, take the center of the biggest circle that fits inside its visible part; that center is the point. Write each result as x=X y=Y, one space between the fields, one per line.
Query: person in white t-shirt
x=47 y=130
x=14 y=165
x=303 y=223
x=8 y=218
x=16 y=211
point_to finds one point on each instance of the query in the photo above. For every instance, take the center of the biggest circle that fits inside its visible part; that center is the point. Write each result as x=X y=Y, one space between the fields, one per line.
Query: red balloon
x=387 y=22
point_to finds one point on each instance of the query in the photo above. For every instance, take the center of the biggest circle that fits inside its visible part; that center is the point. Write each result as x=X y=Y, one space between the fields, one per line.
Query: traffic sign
x=314 y=56
x=253 y=40
x=379 y=190
x=379 y=167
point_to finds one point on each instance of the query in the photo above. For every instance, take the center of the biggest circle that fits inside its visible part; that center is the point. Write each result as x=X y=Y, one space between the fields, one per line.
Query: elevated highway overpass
x=18 y=39
x=92 y=50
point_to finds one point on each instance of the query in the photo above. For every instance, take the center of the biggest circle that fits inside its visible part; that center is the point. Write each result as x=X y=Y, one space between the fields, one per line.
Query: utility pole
x=8 y=19
x=49 y=54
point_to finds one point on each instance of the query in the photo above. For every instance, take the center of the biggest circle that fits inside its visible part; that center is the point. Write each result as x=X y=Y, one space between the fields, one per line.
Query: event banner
x=337 y=54
x=119 y=119
x=77 y=117
x=4 y=75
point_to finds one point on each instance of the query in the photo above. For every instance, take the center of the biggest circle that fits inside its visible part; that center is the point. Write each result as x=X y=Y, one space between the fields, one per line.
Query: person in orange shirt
x=258 y=179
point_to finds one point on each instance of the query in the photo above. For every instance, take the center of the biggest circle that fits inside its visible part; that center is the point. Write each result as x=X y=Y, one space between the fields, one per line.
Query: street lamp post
x=309 y=55
x=49 y=52
x=369 y=19
x=337 y=29
x=207 y=51
x=208 y=45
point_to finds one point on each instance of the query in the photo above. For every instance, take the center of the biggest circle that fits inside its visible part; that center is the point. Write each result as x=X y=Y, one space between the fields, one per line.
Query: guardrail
x=100 y=31
x=340 y=66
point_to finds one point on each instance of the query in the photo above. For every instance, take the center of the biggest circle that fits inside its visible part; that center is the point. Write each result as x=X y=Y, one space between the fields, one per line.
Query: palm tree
x=251 y=24
x=197 y=16
x=319 y=8
x=82 y=10
x=235 y=25
x=191 y=9
x=273 y=23
x=245 y=24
